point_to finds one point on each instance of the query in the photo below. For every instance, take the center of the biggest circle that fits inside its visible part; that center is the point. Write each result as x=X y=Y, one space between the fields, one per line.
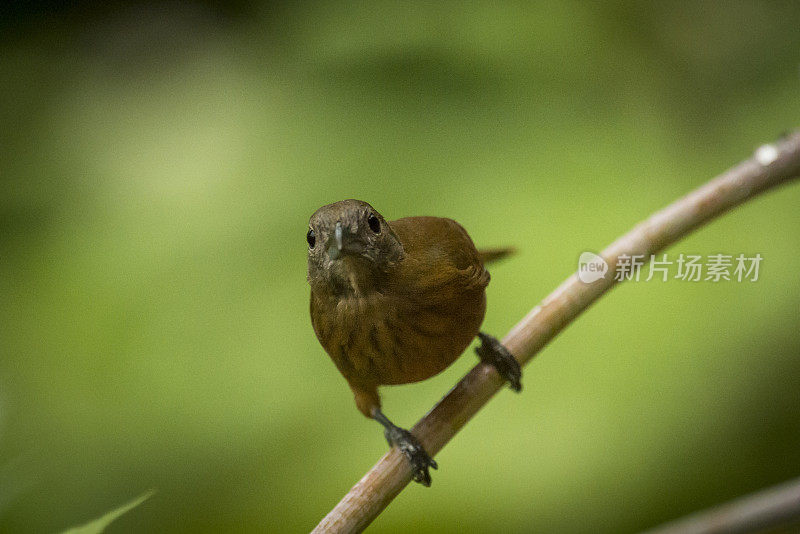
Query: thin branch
x=771 y=165
x=772 y=507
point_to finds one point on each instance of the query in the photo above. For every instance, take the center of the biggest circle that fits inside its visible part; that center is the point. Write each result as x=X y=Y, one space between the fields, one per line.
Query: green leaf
x=99 y=525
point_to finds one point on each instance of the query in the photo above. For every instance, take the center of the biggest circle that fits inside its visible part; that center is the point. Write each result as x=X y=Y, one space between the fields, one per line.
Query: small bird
x=397 y=302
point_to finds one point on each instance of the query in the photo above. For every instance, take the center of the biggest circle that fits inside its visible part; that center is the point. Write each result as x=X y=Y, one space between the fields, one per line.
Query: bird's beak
x=337 y=234
x=343 y=242
x=336 y=244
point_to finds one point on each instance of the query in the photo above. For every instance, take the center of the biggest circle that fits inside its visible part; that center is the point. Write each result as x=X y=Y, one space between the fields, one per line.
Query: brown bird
x=397 y=302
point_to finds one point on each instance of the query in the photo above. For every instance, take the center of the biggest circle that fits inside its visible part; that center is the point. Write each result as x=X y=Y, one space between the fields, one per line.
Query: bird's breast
x=391 y=339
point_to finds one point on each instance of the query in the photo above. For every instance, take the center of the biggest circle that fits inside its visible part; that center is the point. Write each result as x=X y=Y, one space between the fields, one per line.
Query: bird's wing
x=439 y=256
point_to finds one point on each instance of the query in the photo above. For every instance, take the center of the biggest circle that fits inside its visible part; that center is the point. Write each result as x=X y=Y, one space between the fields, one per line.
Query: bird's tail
x=489 y=255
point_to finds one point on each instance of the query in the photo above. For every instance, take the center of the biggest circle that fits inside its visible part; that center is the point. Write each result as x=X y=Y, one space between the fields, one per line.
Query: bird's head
x=350 y=247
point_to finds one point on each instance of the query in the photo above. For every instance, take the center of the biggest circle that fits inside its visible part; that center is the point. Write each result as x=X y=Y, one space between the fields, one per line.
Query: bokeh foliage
x=159 y=163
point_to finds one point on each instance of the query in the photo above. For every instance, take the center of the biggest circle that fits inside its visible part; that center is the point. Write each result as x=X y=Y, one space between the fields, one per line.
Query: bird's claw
x=411 y=448
x=495 y=354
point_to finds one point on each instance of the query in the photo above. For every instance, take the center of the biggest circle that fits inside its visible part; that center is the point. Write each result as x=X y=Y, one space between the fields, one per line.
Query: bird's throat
x=352 y=276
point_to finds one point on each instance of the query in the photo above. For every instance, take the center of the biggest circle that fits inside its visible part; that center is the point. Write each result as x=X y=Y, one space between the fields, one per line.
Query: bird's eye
x=374 y=223
x=311 y=238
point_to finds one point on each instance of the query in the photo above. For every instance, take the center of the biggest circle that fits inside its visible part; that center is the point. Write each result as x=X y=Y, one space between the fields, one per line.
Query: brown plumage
x=393 y=302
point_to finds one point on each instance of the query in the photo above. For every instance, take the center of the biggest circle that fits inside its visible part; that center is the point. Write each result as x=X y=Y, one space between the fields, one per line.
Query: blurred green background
x=160 y=161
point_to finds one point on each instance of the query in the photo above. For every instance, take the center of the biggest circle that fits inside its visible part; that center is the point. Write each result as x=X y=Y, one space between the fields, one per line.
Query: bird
x=396 y=302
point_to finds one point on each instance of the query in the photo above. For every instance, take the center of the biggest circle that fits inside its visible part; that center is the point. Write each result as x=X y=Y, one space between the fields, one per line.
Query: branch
x=772 y=507
x=770 y=166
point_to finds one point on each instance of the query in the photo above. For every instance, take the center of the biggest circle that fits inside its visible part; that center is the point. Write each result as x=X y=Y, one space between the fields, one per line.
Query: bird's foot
x=408 y=445
x=495 y=354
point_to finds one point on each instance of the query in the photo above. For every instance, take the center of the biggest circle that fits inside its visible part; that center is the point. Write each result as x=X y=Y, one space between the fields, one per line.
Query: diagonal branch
x=766 y=509
x=770 y=166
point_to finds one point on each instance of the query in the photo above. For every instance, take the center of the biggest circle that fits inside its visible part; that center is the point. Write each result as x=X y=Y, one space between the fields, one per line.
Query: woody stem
x=771 y=166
